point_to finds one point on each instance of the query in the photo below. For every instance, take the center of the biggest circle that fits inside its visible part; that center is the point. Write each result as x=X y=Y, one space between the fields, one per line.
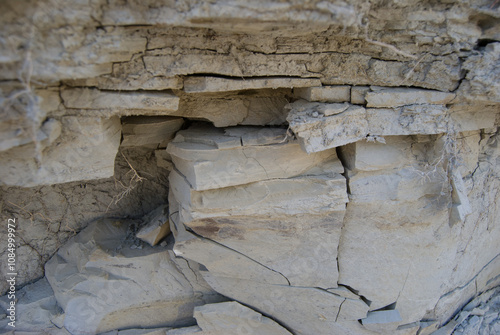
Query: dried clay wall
x=250 y=167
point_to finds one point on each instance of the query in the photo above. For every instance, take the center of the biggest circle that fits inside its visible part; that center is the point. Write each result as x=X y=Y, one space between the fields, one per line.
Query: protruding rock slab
x=319 y=127
x=149 y=130
x=341 y=93
x=217 y=84
x=85 y=150
x=88 y=98
x=396 y=97
x=232 y=317
x=303 y=310
x=291 y=226
x=210 y=159
x=104 y=282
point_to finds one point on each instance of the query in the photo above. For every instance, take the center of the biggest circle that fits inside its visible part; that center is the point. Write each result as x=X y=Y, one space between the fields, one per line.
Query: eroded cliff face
x=331 y=165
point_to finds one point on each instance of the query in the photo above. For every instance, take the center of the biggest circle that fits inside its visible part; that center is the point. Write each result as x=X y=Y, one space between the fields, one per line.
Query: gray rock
x=232 y=317
x=384 y=316
x=209 y=159
x=120 y=102
x=216 y=84
x=156 y=227
x=303 y=310
x=102 y=284
x=358 y=94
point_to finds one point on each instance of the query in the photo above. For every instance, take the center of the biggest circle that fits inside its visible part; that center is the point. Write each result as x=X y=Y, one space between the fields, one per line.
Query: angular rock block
x=232 y=317
x=156 y=226
x=36 y=307
x=371 y=156
x=320 y=127
x=87 y=98
x=339 y=93
x=149 y=130
x=102 y=283
x=217 y=84
x=209 y=158
x=303 y=310
x=85 y=150
x=291 y=226
x=396 y=97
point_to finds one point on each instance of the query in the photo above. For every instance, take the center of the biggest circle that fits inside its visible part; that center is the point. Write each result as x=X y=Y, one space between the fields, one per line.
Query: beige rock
x=210 y=159
x=317 y=132
x=396 y=97
x=370 y=156
x=86 y=98
x=216 y=84
x=149 y=130
x=185 y=330
x=339 y=93
x=358 y=94
x=129 y=82
x=156 y=226
x=303 y=310
x=299 y=219
x=102 y=283
x=232 y=317
x=85 y=150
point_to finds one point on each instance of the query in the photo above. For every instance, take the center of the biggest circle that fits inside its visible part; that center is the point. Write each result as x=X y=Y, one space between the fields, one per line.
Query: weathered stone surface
x=156 y=226
x=396 y=97
x=303 y=310
x=220 y=260
x=35 y=307
x=184 y=331
x=483 y=76
x=358 y=94
x=149 y=130
x=387 y=316
x=317 y=132
x=85 y=150
x=325 y=93
x=232 y=317
x=86 y=98
x=370 y=156
x=217 y=84
x=210 y=159
x=299 y=219
x=103 y=283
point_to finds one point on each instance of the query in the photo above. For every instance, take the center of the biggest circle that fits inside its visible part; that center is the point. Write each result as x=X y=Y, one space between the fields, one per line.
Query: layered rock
x=104 y=282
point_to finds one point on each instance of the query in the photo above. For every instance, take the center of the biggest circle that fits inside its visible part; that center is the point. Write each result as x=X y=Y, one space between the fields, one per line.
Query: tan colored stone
x=156 y=226
x=325 y=93
x=216 y=84
x=210 y=159
x=396 y=97
x=87 y=98
x=149 y=130
x=317 y=132
x=358 y=94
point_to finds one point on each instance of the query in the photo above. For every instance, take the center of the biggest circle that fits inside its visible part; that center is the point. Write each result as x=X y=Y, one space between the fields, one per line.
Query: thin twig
x=393 y=48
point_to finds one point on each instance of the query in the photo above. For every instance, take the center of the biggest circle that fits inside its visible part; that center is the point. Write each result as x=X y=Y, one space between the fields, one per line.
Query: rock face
x=331 y=166
x=104 y=282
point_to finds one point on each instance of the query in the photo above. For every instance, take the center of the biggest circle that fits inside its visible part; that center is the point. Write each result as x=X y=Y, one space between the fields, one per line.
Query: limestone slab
x=85 y=150
x=303 y=310
x=148 y=130
x=103 y=284
x=384 y=316
x=317 y=132
x=341 y=93
x=370 y=156
x=211 y=159
x=232 y=317
x=88 y=98
x=358 y=94
x=399 y=96
x=299 y=219
x=217 y=84
x=220 y=260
